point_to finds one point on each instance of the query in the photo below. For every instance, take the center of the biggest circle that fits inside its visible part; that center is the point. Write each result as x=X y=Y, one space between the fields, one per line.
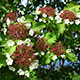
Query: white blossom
x=66 y=21
x=31 y=32
x=34 y=65
x=4 y=30
x=77 y=22
x=59 y=20
x=22 y=19
x=4 y=25
x=63 y=56
x=38 y=12
x=10 y=43
x=44 y=15
x=68 y=50
x=9 y=61
x=19 y=42
x=36 y=53
x=54 y=57
x=7 y=55
x=40 y=20
x=8 y=21
x=20 y=71
x=44 y=21
x=42 y=53
x=27 y=41
x=28 y=25
x=71 y=23
x=22 y=12
x=51 y=18
x=26 y=73
x=78 y=15
x=12 y=68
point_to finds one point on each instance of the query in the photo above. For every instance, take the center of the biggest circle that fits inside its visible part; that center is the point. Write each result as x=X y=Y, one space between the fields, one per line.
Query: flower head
x=66 y=14
x=24 y=56
x=10 y=43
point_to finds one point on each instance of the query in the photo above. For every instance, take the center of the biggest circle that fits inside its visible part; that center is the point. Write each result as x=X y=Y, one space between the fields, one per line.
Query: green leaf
x=51 y=37
x=12 y=49
x=29 y=18
x=2 y=60
x=75 y=27
x=71 y=56
x=46 y=59
x=38 y=26
x=61 y=27
x=76 y=77
x=72 y=6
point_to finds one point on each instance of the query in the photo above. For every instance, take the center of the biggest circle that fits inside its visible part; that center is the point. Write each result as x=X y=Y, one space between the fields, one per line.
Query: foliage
x=36 y=38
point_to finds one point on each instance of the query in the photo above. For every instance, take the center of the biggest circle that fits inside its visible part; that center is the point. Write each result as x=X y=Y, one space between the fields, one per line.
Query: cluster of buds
x=41 y=45
x=24 y=56
x=17 y=31
x=12 y=16
x=66 y=14
x=48 y=11
x=58 y=49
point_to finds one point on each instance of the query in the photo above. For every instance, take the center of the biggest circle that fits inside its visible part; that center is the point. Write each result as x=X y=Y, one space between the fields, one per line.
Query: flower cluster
x=48 y=11
x=24 y=56
x=41 y=45
x=12 y=16
x=58 y=49
x=66 y=14
x=17 y=31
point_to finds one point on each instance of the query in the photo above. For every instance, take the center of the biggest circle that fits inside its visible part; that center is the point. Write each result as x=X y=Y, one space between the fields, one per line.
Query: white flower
x=27 y=41
x=28 y=25
x=7 y=55
x=59 y=20
x=78 y=15
x=40 y=20
x=51 y=18
x=10 y=43
x=44 y=15
x=63 y=56
x=11 y=68
x=26 y=73
x=57 y=17
x=71 y=23
x=22 y=19
x=18 y=20
x=5 y=30
x=68 y=50
x=22 y=12
x=20 y=42
x=44 y=21
x=9 y=61
x=18 y=9
x=38 y=12
x=4 y=25
x=36 y=53
x=34 y=65
x=42 y=53
x=54 y=57
x=8 y=21
x=31 y=32
x=20 y=71
x=77 y=22
x=66 y=21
